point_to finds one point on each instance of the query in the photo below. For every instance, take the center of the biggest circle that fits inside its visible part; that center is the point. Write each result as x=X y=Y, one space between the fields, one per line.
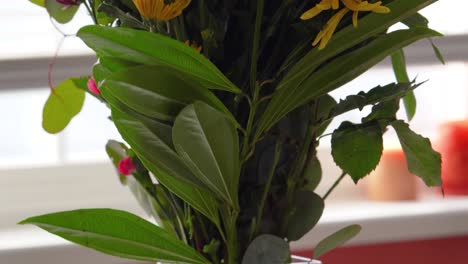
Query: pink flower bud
x=92 y=86
x=126 y=166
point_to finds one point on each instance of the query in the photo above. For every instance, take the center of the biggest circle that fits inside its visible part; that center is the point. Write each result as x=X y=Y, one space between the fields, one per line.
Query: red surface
x=438 y=251
x=453 y=146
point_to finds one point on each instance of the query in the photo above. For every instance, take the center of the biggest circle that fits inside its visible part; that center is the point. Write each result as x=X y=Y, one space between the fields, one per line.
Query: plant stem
x=334 y=185
x=266 y=191
x=90 y=7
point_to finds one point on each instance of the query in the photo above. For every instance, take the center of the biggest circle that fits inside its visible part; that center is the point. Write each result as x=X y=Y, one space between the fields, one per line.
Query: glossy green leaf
x=207 y=141
x=401 y=74
x=336 y=239
x=117 y=233
x=126 y=19
x=156 y=153
x=157 y=93
x=384 y=111
x=154 y=49
x=102 y=18
x=416 y=20
x=65 y=102
x=61 y=13
x=357 y=148
x=267 y=249
x=305 y=214
x=422 y=160
x=337 y=73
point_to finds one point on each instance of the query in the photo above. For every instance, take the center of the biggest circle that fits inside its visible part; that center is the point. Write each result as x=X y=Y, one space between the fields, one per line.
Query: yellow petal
x=355 y=18
x=311 y=13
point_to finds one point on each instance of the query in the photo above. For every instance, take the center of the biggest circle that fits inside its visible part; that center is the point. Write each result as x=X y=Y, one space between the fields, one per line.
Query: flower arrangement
x=222 y=105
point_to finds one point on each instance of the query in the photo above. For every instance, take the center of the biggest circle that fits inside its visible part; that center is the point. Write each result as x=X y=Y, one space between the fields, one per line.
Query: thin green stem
x=337 y=182
x=266 y=191
x=90 y=7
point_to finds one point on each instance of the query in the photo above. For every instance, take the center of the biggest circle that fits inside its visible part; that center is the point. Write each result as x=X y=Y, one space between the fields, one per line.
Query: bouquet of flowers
x=222 y=105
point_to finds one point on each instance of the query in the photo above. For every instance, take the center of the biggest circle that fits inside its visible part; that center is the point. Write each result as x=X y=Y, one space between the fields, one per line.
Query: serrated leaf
x=383 y=111
x=336 y=74
x=207 y=141
x=65 y=102
x=422 y=160
x=154 y=49
x=117 y=233
x=357 y=148
x=267 y=249
x=337 y=239
x=306 y=212
x=60 y=12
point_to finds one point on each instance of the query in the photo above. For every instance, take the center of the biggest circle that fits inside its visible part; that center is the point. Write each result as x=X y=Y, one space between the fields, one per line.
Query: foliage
x=222 y=109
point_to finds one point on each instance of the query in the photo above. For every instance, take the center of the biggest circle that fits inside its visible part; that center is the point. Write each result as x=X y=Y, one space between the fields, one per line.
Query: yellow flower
x=355 y=6
x=161 y=10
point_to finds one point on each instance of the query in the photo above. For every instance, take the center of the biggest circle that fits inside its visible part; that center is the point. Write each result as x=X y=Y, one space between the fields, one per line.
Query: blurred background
x=42 y=173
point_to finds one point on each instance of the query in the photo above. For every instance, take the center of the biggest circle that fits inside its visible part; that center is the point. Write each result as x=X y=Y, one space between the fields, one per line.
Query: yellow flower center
x=355 y=6
x=160 y=10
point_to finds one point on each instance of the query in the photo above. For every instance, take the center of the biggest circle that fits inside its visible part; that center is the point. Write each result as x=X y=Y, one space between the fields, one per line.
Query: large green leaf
x=155 y=151
x=369 y=26
x=305 y=214
x=336 y=239
x=357 y=149
x=117 y=233
x=65 y=102
x=401 y=74
x=154 y=49
x=61 y=13
x=156 y=92
x=267 y=249
x=337 y=73
x=207 y=141
x=422 y=160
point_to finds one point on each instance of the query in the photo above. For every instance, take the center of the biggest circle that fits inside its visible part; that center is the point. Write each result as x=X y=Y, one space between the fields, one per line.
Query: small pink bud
x=126 y=166
x=92 y=86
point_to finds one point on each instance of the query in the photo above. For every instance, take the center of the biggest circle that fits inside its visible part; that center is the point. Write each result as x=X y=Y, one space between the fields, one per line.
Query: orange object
x=391 y=181
x=453 y=145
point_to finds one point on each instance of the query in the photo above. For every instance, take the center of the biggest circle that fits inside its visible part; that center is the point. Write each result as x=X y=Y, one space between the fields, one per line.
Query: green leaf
x=135 y=87
x=416 y=20
x=267 y=249
x=422 y=160
x=369 y=26
x=208 y=143
x=312 y=174
x=65 y=102
x=337 y=73
x=126 y=19
x=305 y=214
x=357 y=148
x=401 y=74
x=116 y=152
x=437 y=52
x=324 y=107
x=157 y=155
x=38 y=2
x=61 y=13
x=154 y=49
x=336 y=240
x=117 y=233
x=102 y=18
x=384 y=111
